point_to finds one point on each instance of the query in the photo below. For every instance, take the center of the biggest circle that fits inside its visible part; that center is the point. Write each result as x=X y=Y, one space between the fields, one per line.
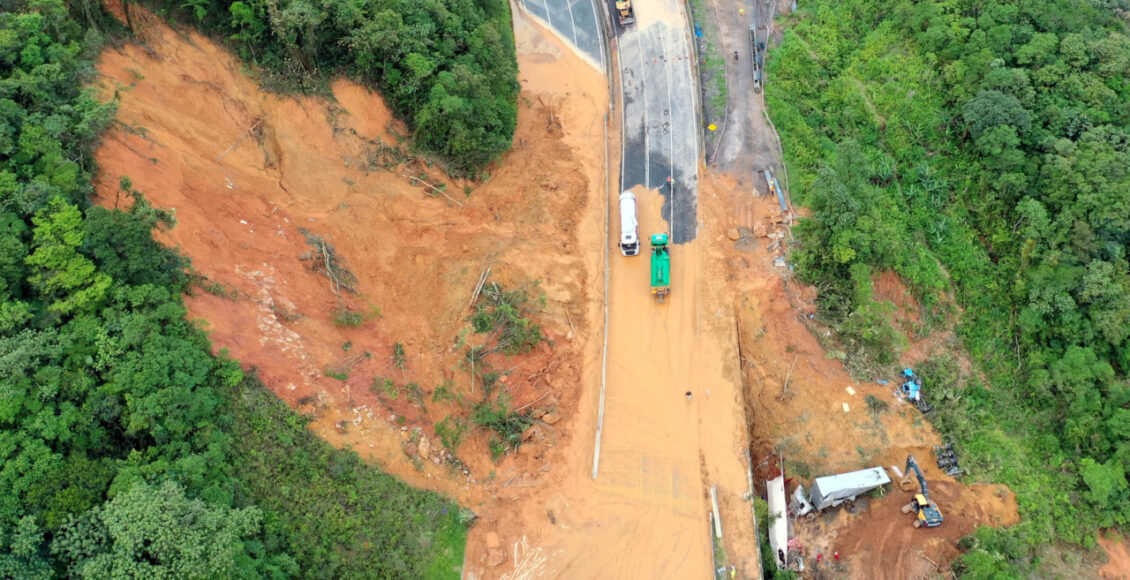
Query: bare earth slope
x=246 y=171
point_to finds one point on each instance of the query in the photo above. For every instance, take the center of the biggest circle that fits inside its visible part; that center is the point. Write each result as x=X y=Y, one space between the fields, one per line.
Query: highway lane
x=660 y=122
x=575 y=21
x=660 y=115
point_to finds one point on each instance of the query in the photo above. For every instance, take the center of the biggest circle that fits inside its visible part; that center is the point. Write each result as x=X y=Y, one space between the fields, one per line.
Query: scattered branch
x=433 y=188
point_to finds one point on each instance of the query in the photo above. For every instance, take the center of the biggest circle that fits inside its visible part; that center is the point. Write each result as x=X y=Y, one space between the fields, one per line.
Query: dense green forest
x=981 y=150
x=127 y=449
x=446 y=67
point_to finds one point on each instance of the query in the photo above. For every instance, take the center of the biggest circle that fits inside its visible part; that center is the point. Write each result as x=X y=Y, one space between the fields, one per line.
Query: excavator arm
x=912 y=464
x=926 y=511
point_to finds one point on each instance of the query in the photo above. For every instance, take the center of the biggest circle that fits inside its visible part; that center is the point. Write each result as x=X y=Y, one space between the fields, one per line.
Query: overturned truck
x=833 y=490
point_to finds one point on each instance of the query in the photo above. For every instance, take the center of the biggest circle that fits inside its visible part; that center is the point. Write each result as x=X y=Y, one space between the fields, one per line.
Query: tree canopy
x=980 y=149
x=126 y=449
x=448 y=68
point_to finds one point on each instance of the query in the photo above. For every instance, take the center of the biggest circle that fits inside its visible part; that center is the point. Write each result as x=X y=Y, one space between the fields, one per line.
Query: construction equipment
x=947 y=460
x=660 y=266
x=912 y=389
x=926 y=511
x=625 y=12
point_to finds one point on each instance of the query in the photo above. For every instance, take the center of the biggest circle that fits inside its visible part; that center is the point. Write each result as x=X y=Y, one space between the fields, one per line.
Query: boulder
x=424 y=447
x=551 y=417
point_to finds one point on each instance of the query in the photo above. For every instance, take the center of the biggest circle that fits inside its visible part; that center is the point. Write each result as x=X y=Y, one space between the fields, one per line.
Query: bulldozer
x=927 y=514
x=625 y=12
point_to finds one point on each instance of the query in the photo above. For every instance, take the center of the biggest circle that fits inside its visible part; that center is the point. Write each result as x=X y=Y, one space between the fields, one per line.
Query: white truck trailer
x=832 y=490
x=629 y=225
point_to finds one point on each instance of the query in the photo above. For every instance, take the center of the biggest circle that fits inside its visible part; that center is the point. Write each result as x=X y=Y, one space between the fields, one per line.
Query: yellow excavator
x=927 y=514
x=625 y=12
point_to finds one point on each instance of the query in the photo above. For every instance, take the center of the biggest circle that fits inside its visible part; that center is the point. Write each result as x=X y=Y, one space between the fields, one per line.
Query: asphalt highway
x=660 y=116
x=660 y=120
x=576 y=21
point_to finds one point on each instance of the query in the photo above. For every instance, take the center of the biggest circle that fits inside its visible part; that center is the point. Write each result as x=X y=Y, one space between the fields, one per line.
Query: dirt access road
x=748 y=145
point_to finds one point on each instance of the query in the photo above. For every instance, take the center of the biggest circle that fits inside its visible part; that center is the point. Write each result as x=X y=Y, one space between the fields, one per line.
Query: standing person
x=688 y=396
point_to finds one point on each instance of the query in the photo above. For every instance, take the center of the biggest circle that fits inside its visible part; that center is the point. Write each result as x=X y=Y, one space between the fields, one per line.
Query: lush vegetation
x=711 y=69
x=127 y=449
x=446 y=67
x=980 y=150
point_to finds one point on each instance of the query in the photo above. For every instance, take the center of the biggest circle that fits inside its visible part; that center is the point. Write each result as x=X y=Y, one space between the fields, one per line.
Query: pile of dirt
x=270 y=191
x=881 y=542
x=888 y=287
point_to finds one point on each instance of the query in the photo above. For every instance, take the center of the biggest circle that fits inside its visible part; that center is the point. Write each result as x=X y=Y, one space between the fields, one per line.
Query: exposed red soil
x=888 y=287
x=881 y=542
x=808 y=428
x=1118 y=566
x=244 y=170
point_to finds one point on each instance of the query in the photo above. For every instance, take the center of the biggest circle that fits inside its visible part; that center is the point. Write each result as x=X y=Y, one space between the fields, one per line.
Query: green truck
x=660 y=266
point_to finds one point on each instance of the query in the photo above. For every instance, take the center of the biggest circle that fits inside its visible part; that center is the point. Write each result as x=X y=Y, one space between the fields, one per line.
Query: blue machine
x=912 y=390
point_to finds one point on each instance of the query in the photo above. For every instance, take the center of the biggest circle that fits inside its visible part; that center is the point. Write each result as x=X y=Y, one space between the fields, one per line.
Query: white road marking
x=670 y=136
x=549 y=15
x=623 y=120
x=573 y=25
x=694 y=87
x=643 y=89
x=599 y=34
